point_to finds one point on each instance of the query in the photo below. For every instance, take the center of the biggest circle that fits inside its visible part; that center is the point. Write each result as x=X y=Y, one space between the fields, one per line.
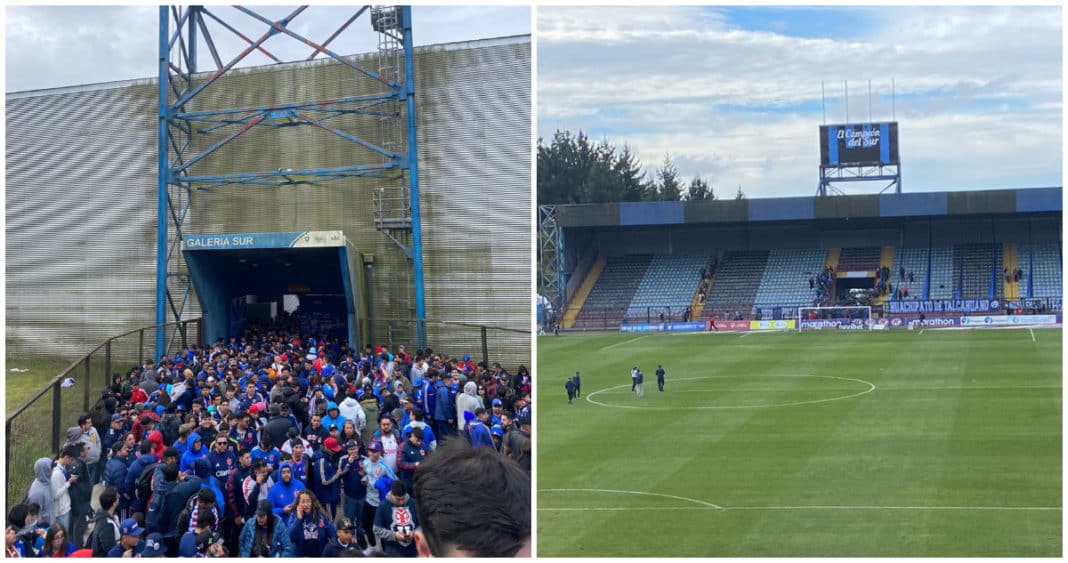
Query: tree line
x=574 y=169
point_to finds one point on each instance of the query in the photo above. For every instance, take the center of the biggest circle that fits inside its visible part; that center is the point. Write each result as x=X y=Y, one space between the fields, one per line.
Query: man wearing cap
x=130 y=544
x=350 y=466
x=325 y=479
x=344 y=540
x=265 y=535
x=374 y=468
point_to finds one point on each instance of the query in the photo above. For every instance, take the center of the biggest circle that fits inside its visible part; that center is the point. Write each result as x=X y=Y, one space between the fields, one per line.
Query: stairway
x=582 y=293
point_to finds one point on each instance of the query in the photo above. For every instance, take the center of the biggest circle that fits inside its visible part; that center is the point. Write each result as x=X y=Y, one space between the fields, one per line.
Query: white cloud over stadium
x=734 y=94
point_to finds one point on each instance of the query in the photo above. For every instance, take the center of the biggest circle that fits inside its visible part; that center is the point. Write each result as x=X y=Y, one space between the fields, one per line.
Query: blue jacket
x=280 y=544
x=191 y=456
x=339 y=420
x=428 y=435
x=479 y=434
x=429 y=400
x=221 y=466
x=350 y=477
x=115 y=472
x=282 y=495
x=134 y=472
x=310 y=534
x=443 y=407
x=323 y=470
x=273 y=456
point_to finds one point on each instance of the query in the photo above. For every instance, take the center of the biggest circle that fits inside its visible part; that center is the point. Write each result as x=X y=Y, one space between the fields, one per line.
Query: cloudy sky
x=733 y=94
x=50 y=46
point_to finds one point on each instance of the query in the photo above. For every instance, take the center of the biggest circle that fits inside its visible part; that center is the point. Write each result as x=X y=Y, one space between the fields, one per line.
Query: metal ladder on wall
x=391 y=201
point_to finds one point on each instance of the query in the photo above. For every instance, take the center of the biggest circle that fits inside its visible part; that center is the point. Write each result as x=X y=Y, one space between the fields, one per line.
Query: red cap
x=331 y=444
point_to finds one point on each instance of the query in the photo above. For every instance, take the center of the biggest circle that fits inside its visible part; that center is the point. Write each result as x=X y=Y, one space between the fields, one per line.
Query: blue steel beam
x=338 y=32
x=281 y=28
x=215 y=76
x=161 y=172
x=208 y=40
x=241 y=35
x=413 y=177
x=218 y=145
x=295 y=105
x=352 y=138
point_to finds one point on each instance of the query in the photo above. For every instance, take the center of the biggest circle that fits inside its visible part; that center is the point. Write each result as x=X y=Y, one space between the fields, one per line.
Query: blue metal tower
x=181 y=31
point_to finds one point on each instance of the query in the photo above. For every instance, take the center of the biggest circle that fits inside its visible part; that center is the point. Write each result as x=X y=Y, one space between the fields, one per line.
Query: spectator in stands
x=130 y=544
x=265 y=535
x=105 y=523
x=56 y=543
x=62 y=480
x=41 y=489
x=311 y=528
x=81 y=490
x=451 y=512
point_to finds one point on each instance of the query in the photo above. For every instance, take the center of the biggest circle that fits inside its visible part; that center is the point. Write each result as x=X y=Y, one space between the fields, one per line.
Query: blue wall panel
x=782 y=209
x=651 y=213
x=904 y=205
x=1038 y=199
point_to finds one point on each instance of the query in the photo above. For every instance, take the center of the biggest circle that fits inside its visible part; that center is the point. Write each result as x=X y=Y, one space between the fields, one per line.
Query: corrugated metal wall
x=81 y=196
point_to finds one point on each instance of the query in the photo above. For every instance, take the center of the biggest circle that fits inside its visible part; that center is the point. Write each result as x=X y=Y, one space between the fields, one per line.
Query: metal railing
x=36 y=428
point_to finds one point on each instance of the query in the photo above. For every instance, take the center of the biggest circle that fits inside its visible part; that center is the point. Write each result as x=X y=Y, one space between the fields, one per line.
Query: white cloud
x=978 y=101
x=51 y=46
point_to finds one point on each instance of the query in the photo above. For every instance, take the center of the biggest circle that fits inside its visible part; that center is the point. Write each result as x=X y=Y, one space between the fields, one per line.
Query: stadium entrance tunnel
x=252 y=278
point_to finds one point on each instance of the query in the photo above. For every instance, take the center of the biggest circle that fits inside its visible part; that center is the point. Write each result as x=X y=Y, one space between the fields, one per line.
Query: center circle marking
x=871 y=387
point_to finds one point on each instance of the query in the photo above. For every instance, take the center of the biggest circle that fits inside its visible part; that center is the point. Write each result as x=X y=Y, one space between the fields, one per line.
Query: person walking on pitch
x=633 y=378
x=638 y=388
x=570 y=386
x=578 y=385
x=660 y=377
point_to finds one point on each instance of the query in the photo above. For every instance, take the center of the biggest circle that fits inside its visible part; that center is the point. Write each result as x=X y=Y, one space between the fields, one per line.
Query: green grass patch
x=20 y=385
x=874 y=444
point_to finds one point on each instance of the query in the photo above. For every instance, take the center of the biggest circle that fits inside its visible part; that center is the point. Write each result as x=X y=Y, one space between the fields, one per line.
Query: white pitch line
x=1032 y=331
x=625 y=492
x=871 y=387
x=624 y=342
x=922 y=329
x=728 y=508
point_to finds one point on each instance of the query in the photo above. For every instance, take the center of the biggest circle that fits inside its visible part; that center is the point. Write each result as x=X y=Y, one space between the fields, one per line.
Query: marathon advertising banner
x=835 y=324
x=1009 y=320
x=858 y=144
x=943 y=306
x=695 y=326
x=773 y=325
x=932 y=322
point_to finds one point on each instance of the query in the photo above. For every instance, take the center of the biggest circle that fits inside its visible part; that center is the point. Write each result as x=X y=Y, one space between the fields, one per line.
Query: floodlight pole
x=413 y=178
x=161 y=180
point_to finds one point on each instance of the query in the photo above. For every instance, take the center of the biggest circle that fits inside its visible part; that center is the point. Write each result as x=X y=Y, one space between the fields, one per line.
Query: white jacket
x=60 y=493
x=350 y=409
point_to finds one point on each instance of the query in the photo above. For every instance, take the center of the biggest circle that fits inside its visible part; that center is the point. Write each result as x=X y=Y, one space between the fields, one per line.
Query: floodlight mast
x=395 y=161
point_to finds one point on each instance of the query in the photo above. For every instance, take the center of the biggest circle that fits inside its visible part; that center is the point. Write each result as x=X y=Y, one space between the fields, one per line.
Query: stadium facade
x=633 y=262
x=81 y=199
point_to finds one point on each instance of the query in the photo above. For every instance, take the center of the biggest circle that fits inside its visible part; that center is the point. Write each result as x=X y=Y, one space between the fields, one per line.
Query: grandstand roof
x=979 y=202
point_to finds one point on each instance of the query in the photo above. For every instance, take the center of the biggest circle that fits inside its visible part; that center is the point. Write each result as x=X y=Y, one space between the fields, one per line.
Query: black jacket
x=334 y=549
x=174 y=503
x=105 y=533
x=276 y=430
x=82 y=490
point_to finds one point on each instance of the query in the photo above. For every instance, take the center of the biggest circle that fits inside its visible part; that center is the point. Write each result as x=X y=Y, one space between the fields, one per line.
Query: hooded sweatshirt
x=350 y=409
x=281 y=494
x=193 y=454
x=60 y=491
x=156 y=437
x=396 y=515
x=333 y=416
x=467 y=401
x=41 y=489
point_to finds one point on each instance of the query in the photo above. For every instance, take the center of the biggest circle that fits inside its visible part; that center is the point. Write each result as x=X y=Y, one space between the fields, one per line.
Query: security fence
x=37 y=427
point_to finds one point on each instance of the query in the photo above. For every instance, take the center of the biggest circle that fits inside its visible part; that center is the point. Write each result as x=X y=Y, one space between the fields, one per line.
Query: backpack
x=169 y=428
x=99 y=549
x=143 y=484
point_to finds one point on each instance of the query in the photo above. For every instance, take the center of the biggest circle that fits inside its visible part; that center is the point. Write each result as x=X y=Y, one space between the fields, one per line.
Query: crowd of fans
x=276 y=445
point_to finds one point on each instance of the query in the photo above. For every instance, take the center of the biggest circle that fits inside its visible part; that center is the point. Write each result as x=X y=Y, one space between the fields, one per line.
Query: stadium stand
x=668 y=283
x=973 y=264
x=786 y=276
x=737 y=280
x=1043 y=274
x=613 y=291
x=912 y=260
x=942 y=280
x=859 y=259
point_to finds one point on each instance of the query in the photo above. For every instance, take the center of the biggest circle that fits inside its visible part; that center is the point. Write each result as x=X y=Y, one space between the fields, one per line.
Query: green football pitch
x=909 y=444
